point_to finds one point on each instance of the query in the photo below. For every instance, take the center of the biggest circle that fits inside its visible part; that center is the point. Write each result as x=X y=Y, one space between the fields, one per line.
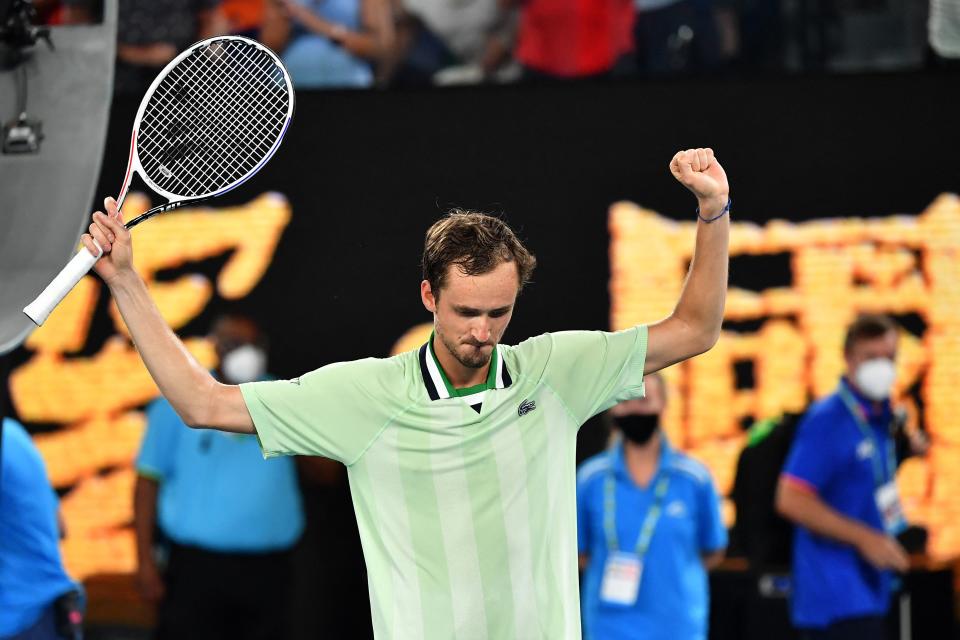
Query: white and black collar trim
x=433 y=376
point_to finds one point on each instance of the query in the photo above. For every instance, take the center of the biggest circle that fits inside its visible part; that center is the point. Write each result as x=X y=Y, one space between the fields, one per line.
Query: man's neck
x=459 y=375
x=642 y=459
x=875 y=407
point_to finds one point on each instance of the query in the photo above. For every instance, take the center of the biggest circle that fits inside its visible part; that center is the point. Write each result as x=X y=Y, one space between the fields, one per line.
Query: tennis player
x=460 y=454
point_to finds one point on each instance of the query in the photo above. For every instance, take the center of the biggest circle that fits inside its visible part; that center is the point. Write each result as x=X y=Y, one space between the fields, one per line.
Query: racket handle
x=59 y=287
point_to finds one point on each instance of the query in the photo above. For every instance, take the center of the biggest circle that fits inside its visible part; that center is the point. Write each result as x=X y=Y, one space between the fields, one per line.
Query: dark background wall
x=367 y=172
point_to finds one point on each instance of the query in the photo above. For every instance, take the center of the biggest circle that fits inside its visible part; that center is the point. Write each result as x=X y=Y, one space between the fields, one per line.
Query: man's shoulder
x=823 y=414
x=690 y=468
x=593 y=468
x=388 y=369
x=539 y=349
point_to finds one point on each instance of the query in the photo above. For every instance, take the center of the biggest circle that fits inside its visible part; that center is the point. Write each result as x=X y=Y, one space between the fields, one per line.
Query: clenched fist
x=699 y=171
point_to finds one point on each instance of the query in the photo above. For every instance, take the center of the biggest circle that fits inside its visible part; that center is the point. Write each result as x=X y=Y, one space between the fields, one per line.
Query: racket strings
x=256 y=145
x=213 y=119
x=231 y=110
x=224 y=88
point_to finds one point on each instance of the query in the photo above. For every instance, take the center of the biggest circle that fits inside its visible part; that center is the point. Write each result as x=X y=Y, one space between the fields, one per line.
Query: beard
x=473 y=358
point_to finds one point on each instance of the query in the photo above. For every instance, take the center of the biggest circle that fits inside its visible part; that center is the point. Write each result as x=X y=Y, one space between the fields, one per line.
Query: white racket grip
x=59 y=287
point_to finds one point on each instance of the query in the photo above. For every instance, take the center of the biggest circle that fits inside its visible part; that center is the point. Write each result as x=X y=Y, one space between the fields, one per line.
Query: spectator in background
x=150 y=33
x=439 y=41
x=943 y=34
x=38 y=600
x=330 y=43
x=648 y=528
x=838 y=488
x=244 y=17
x=227 y=519
x=674 y=36
x=567 y=39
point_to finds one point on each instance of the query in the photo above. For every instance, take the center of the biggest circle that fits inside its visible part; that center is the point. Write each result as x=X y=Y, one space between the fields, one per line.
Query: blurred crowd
x=391 y=43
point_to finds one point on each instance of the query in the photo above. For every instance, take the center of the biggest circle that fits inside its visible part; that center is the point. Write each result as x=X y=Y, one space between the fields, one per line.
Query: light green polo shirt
x=467 y=518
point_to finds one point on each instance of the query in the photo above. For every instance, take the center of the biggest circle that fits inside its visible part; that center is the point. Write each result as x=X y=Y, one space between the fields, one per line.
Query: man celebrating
x=460 y=454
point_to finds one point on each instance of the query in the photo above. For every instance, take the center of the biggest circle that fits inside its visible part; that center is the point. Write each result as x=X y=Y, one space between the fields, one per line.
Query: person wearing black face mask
x=648 y=528
x=637 y=428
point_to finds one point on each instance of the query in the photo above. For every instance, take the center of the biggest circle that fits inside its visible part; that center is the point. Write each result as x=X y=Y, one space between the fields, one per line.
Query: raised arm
x=198 y=398
x=694 y=325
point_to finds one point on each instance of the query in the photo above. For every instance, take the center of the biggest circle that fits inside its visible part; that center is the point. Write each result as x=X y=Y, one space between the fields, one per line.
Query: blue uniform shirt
x=31 y=571
x=831 y=456
x=216 y=490
x=673 y=601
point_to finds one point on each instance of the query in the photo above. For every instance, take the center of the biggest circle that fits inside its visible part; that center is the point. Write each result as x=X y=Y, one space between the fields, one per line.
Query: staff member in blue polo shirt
x=227 y=517
x=38 y=600
x=648 y=528
x=838 y=487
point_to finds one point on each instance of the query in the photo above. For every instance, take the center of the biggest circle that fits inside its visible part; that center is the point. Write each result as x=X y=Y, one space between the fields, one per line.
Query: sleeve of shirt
x=336 y=411
x=593 y=370
x=156 y=456
x=810 y=462
x=711 y=534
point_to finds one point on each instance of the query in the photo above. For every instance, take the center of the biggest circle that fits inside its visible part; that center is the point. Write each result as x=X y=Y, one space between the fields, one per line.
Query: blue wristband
x=723 y=212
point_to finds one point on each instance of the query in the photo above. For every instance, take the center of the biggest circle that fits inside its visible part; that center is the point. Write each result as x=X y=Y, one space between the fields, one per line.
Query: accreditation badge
x=891 y=511
x=621 y=579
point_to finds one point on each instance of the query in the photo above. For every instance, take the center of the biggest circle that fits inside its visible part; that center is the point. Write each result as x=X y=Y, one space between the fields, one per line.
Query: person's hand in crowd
x=919 y=442
x=149 y=581
x=302 y=15
x=883 y=551
x=294 y=10
x=496 y=53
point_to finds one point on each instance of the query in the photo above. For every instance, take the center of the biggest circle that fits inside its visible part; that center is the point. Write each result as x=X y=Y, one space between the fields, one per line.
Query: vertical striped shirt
x=467 y=517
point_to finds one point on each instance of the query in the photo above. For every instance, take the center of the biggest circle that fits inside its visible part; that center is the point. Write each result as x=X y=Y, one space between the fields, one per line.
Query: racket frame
x=175 y=201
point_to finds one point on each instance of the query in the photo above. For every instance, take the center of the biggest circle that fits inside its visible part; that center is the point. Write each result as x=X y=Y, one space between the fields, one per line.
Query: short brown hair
x=867 y=327
x=476 y=243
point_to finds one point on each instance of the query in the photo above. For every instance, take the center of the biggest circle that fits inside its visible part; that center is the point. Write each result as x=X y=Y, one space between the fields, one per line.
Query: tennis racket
x=210 y=120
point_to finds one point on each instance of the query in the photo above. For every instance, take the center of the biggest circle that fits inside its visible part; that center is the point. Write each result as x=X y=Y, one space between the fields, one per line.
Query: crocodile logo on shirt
x=526 y=407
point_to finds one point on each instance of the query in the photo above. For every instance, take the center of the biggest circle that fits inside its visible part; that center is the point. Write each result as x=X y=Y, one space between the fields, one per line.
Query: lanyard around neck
x=610 y=511
x=879 y=477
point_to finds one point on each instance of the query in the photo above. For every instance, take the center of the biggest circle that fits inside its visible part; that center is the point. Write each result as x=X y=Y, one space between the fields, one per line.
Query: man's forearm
x=809 y=511
x=183 y=382
x=704 y=294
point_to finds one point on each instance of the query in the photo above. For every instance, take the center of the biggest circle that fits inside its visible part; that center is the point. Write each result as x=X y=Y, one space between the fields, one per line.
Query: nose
x=480 y=331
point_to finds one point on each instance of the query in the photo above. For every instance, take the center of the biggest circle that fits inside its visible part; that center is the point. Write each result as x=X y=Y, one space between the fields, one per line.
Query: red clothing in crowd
x=570 y=38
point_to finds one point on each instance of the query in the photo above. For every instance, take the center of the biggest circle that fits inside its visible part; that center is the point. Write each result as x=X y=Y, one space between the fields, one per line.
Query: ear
x=427 y=297
x=851 y=364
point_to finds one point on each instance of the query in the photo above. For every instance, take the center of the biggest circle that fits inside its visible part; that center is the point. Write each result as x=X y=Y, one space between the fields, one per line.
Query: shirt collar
x=869 y=406
x=438 y=384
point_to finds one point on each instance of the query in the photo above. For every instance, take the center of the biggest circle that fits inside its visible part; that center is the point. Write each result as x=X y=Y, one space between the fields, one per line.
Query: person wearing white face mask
x=838 y=488
x=226 y=518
